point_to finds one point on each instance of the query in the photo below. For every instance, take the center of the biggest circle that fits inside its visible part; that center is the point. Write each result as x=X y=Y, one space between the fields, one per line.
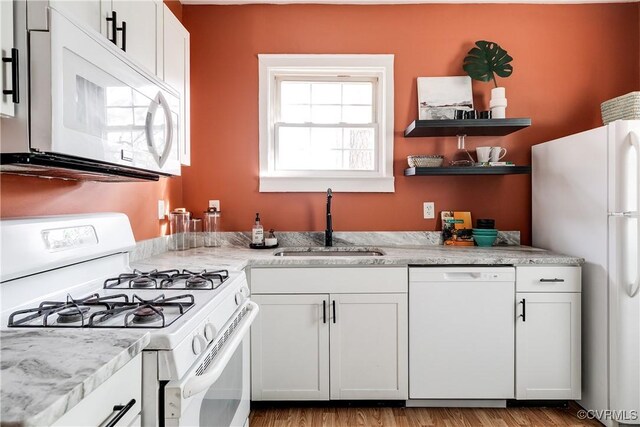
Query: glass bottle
x=212 y=228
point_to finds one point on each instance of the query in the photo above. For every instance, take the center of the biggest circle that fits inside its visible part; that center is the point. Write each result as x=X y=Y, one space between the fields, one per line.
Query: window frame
x=273 y=68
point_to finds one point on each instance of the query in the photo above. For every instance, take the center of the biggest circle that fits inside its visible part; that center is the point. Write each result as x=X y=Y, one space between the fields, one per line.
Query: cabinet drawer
x=318 y=280
x=548 y=279
x=97 y=408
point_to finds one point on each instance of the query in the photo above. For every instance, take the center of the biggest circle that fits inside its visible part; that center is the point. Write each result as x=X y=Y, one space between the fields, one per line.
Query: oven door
x=215 y=391
x=91 y=102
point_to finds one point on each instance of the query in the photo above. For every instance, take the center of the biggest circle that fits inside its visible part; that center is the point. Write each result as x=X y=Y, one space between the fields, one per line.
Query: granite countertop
x=46 y=372
x=236 y=258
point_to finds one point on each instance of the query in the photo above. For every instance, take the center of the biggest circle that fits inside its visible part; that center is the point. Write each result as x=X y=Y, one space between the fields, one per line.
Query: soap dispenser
x=257 y=233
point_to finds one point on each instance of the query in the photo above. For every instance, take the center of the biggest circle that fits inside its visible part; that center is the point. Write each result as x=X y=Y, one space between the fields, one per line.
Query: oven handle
x=198 y=384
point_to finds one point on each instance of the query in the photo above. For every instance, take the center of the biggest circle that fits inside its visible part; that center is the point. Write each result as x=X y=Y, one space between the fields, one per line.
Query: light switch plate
x=429 y=210
x=161 y=209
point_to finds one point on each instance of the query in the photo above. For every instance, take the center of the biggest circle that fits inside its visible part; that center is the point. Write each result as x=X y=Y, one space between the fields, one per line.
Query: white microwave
x=92 y=113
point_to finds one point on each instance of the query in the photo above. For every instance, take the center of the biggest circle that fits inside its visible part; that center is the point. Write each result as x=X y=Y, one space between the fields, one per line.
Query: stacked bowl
x=485 y=234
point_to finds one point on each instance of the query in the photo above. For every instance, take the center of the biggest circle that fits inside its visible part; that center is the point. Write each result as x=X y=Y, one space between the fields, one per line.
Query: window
x=326 y=121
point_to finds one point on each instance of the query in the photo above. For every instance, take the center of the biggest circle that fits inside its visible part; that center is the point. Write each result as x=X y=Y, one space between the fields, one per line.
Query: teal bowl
x=482 y=232
x=484 y=241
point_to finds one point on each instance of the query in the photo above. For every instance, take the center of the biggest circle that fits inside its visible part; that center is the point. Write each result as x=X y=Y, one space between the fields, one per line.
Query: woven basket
x=425 y=161
x=625 y=107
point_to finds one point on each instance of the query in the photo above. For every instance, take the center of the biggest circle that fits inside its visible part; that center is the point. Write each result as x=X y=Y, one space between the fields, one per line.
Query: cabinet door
x=548 y=346
x=369 y=346
x=290 y=348
x=87 y=13
x=142 y=18
x=7 y=108
x=176 y=74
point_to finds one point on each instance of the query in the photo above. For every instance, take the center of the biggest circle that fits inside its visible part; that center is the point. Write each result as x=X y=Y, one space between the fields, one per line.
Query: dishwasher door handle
x=463 y=275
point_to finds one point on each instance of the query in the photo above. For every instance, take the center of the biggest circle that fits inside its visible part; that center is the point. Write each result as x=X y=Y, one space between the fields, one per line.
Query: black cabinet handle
x=15 y=76
x=524 y=310
x=334 y=311
x=556 y=280
x=122 y=411
x=114 y=27
x=324 y=311
x=123 y=28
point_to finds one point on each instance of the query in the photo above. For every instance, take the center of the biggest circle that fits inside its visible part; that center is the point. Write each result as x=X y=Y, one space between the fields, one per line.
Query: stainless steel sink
x=346 y=252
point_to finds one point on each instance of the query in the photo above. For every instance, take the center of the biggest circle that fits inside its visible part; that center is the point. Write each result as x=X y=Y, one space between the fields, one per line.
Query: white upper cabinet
x=176 y=74
x=89 y=13
x=133 y=26
x=7 y=67
x=143 y=22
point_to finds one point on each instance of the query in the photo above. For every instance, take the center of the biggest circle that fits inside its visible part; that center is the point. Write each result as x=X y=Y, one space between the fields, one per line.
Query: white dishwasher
x=461 y=332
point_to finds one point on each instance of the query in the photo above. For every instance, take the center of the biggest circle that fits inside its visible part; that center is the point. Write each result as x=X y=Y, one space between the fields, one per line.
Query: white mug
x=484 y=154
x=497 y=153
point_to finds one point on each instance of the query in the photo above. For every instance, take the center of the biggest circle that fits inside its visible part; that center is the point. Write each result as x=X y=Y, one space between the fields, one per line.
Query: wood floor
x=416 y=417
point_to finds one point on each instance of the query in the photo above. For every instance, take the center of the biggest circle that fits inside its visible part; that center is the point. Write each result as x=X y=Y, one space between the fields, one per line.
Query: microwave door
x=159 y=130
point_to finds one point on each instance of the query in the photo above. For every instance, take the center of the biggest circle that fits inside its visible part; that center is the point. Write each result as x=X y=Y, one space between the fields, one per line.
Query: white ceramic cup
x=497 y=153
x=484 y=154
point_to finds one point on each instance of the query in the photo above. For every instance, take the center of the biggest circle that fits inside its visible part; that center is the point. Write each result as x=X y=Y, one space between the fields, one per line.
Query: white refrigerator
x=585 y=202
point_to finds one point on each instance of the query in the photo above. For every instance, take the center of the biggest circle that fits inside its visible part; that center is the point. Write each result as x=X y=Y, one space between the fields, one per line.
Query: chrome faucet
x=328 y=233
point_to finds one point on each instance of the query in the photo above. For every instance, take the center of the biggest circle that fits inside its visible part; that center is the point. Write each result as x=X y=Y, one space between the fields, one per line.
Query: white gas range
x=74 y=272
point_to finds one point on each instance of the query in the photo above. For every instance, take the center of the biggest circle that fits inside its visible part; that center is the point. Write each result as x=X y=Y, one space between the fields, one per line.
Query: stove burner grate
x=135 y=312
x=140 y=279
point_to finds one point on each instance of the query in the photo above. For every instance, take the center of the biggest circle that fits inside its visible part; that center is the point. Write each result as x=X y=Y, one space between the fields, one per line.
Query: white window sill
x=311 y=185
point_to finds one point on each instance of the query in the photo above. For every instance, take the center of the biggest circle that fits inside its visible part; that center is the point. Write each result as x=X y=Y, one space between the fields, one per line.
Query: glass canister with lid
x=179 y=224
x=212 y=235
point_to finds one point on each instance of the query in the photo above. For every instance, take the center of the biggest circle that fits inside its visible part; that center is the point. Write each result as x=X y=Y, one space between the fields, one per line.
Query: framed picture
x=439 y=97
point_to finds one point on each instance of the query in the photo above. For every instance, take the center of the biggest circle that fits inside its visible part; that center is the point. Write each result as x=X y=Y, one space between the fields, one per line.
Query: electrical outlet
x=214 y=204
x=429 y=210
x=161 y=210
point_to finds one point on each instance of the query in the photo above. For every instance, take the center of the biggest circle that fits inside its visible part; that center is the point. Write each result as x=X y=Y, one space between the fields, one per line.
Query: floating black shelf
x=469 y=170
x=470 y=127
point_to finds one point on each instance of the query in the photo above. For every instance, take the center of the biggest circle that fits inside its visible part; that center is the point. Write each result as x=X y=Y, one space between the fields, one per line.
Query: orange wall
x=28 y=196
x=568 y=59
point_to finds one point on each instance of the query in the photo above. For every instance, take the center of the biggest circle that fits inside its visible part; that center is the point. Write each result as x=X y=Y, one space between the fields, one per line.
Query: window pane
x=310 y=148
x=295 y=114
x=357 y=93
x=326 y=93
x=359 y=159
x=359 y=139
x=295 y=93
x=326 y=137
x=357 y=114
x=293 y=148
x=325 y=114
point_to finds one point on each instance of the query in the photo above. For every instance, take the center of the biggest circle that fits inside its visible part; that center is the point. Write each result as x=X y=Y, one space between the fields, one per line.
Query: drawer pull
x=556 y=280
x=122 y=410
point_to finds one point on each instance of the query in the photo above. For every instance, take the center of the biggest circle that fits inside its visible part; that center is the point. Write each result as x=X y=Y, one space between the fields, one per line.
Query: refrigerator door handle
x=634 y=140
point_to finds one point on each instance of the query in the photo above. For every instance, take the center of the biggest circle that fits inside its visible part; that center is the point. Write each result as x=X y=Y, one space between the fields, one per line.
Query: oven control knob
x=198 y=344
x=245 y=291
x=209 y=331
x=239 y=298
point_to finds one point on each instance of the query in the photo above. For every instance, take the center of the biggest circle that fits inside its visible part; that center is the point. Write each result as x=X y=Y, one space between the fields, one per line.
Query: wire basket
x=425 y=161
x=625 y=107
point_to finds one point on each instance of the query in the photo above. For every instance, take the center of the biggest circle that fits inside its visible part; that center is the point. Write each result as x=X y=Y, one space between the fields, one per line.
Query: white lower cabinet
x=324 y=346
x=116 y=402
x=368 y=346
x=548 y=346
x=289 y=348
x=548 y=317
